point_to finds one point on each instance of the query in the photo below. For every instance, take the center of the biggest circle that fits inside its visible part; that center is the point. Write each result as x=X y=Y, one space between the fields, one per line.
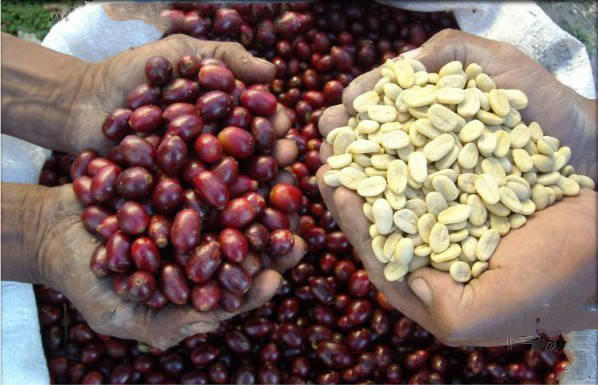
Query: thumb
x=437 y=290
x=246 y=67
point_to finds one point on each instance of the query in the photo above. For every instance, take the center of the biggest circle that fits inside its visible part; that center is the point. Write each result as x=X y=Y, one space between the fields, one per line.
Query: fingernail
x=421 y=290
x=198 y=327
x=264 y=61
x=412 y=54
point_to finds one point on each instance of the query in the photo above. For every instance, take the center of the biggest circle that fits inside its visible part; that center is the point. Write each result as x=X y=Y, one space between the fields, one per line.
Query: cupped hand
x=560 y=111
x=105 y=86
x=542 y=275
x=66 y=250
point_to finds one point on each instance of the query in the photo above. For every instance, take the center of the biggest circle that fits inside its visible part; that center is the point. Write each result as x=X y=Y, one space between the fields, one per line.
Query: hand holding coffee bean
x=529 y=264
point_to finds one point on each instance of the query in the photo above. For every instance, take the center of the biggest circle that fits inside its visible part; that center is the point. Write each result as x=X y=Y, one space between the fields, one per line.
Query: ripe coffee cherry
x=146 y=255
x=158 y=70
x=208 y=148
x=211 y=189
x=146 y=118
x=213 y=77
x=281 y=242
x=141 y=286
x=205 y=297
x=233 y=245
x=116 y=124
x=286 y=198
x=261 y=103
x=134 y=183
x=132 y=218
x=185 y=233
x=236 y=142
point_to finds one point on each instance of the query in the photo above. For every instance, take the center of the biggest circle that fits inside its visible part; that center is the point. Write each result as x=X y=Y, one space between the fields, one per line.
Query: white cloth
x=89 y=34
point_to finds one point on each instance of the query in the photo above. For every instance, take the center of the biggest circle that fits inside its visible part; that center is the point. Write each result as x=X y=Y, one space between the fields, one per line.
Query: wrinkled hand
x=540 y=275
x=105 y=85
x=66 y=249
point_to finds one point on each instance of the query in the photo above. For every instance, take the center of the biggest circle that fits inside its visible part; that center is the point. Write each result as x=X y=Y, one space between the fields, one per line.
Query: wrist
x=24 y=209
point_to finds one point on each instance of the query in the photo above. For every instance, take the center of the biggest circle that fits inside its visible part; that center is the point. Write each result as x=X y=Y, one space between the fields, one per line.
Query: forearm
x=21 y=224
x=38 y=88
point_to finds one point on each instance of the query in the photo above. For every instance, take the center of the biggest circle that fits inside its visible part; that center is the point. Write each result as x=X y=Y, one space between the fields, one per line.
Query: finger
x=285 y=151
x=356 y=228
x=326 y=151
x=294 y=222
x=290 y=259
x=353 y=221
x=450 y=45
x=150 y=13
x=263 y=288
x=284 y=177
x=280 y=121
x=327 y=193
x=333 y=117
x=360 y=85
x=246 y=67
x=439 y=293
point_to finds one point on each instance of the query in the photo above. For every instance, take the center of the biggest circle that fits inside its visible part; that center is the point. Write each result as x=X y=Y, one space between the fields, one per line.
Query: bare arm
x=39 y=87
x=21 y=224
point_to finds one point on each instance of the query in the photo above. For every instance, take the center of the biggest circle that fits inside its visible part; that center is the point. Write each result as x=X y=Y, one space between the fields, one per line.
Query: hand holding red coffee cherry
x=183 y=192
x=105 y=85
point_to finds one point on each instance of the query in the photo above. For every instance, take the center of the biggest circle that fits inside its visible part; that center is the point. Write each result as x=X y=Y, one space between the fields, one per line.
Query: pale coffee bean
x=406 y=221
x=444 y=119
x=435 y=202
x=452 y=252
x=350 y=177
x=449 y=95
x=520 y=136
x=452 y=81
x=424 y=226
x=340 y=161
x=391 y=244
x=382 y=114
x=517 y=99
x=417 y=165
x=470 y=104
x=331 y=178
x=395 y=271
x=454 y=214
x=394 y=140
x=478 y=212
x=485 y=83
x=487 y=244
x=378 y=248
x=446 y=187
x=468 y=156
x=404 y=73
x=517 y=220
x=460 y=272
x=439 y=238
x=403 y=251
x=371 y=186
x=499 y=102
x=478 y=268
x=439 y=147
x=382 y=213
x=473 y=70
